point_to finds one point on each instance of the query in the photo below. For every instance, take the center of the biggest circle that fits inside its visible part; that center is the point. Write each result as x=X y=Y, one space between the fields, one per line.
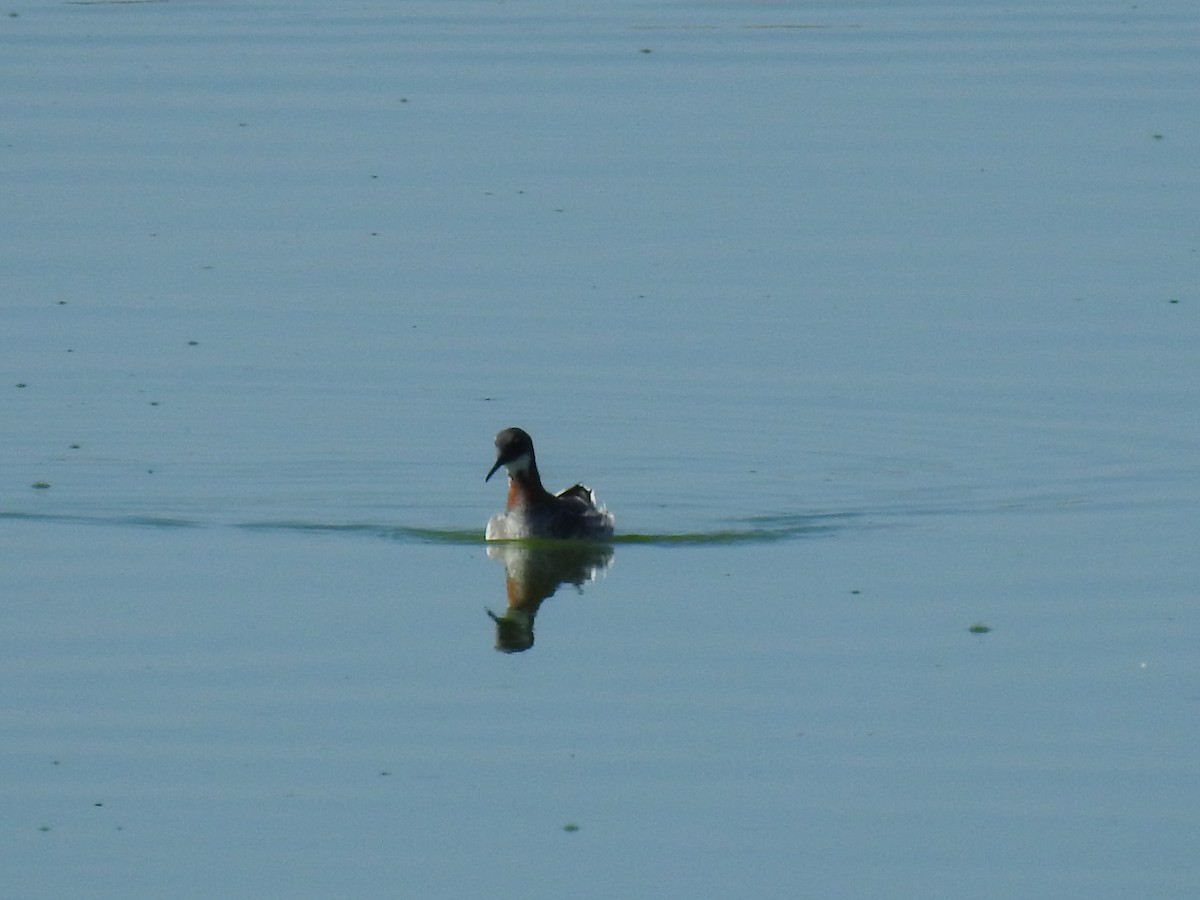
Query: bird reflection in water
x=533 y=571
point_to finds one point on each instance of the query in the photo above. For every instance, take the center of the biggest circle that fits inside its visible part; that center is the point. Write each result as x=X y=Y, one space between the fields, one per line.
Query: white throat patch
x=520 y=465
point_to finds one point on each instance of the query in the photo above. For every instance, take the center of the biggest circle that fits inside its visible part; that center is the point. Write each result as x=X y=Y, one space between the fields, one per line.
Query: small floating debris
x=40 y=485
x=979 y=628
x=570 y=828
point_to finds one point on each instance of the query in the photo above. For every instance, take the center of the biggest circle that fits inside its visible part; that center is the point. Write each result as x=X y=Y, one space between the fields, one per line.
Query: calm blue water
x=871 y=323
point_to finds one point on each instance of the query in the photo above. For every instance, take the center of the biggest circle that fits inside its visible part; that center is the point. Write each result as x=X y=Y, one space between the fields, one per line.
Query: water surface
x=871 y=323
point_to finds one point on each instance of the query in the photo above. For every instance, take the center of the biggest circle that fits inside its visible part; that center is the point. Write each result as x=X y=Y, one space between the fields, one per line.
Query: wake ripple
x=757 y=530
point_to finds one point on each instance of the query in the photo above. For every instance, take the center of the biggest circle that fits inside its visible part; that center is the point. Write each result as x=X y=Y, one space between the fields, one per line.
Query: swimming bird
x=533 y=512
